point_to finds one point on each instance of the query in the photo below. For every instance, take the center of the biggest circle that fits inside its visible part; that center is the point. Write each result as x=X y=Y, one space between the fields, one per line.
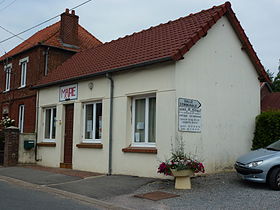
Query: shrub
x=267 y=129
x=7 y=122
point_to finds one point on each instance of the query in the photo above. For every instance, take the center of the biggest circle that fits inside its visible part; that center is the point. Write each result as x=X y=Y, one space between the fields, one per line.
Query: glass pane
x=89 y=121
x=47 y=123
x=139 y=127
x=21 y=116
x=152 y=120
x=8 y=79
x=53 y=123
x=98 y=121
x=23 y=73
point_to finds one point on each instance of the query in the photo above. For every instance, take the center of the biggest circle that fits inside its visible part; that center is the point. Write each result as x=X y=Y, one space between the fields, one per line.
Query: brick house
x=265 y=89
x=34 y=58
x=270 y=101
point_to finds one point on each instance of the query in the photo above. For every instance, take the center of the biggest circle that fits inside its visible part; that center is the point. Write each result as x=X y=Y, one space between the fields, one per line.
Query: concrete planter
x=182 y=178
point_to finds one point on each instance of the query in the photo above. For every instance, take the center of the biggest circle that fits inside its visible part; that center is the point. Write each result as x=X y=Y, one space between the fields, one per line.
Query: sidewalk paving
x=216 y=191
x=69 y=172
x=92 y=185
x=34 y=176
x=95 y=186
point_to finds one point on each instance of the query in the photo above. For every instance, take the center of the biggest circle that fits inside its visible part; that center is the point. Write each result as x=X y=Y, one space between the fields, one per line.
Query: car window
x=274 y=146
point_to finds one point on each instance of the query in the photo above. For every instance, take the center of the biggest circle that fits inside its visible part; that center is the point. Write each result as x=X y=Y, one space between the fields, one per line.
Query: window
x=8 y=70
x=21 y=118
x=93 y=122
x=50 y=123
x=144 y=121
x=23 y=74
x=23 y=63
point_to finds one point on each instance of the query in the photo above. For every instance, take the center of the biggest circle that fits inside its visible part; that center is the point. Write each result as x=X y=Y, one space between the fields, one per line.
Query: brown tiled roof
x=165 y=42
x=50 y=36
x=271 y=102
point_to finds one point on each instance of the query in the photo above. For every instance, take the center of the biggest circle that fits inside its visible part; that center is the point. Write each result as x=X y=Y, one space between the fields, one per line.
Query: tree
x=275 y=85
x=270 y=74
x=276 y=81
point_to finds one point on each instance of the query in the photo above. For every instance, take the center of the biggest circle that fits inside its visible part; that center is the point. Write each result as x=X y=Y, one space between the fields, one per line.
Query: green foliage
x=267 y=129
x=270 y=74
x=276 y=83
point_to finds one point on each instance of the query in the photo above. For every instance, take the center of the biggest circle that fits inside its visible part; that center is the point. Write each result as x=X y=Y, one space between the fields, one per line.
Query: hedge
x=267 y=129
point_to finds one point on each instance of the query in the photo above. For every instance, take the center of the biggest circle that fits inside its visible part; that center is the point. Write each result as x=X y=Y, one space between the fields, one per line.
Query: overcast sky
x=111 y=19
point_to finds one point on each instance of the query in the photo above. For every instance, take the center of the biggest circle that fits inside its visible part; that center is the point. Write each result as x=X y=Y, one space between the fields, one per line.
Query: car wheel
x=274 y=179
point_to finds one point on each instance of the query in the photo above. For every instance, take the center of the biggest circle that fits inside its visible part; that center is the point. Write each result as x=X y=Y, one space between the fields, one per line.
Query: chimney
x=69 y=27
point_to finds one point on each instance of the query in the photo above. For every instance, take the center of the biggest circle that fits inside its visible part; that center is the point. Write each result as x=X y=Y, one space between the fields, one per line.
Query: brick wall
x=29 y=110
x=57 y=57
x=11 y=146
x=264 y=91
x=69 y=27
x=2 y=140
x=35 y=71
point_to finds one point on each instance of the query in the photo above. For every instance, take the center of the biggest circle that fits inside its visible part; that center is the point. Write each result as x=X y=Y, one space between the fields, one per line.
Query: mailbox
x=29 y=144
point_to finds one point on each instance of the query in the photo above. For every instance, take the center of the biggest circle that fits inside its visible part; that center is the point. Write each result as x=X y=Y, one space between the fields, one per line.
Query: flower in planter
x=180 y=161
x=7 y=122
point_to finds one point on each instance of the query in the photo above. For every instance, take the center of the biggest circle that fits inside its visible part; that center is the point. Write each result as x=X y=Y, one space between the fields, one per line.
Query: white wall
x=220 y=75
x=159 y=81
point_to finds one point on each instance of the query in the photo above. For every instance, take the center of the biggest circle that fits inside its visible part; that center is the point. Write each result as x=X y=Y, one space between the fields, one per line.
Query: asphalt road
x=13 y=197
x=36 y=176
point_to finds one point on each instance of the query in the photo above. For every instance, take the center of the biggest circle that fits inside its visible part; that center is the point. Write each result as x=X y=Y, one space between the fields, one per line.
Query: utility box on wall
x=29 y=144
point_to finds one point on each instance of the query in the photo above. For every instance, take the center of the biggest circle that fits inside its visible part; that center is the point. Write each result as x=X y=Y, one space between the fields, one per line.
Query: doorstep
x=66 y=165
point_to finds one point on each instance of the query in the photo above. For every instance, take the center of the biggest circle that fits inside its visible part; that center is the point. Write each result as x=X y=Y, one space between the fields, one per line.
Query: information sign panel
x=189 y=115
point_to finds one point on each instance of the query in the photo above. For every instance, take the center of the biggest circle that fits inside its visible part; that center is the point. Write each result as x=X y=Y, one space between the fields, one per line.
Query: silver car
x=262 y=165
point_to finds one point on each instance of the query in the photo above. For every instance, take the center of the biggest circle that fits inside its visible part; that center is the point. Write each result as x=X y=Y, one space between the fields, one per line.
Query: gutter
x=36 y=126
x=109 y=76
x=39 y=45
x=161 y=60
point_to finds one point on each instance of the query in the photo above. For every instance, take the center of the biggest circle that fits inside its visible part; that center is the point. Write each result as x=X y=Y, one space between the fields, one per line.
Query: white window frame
x=93 y=140
x=51 y=124
x=8 y=70
x=146 y=143
x=21 y=118
x=23 y=63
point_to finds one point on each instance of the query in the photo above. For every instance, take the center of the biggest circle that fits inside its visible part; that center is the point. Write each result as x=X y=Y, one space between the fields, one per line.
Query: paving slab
x=65 y=171
x=36 y=176
x=104 y=187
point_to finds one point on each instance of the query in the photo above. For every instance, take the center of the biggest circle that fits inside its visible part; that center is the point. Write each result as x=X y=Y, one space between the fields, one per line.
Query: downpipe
x=109 y=76
x=36 y=126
